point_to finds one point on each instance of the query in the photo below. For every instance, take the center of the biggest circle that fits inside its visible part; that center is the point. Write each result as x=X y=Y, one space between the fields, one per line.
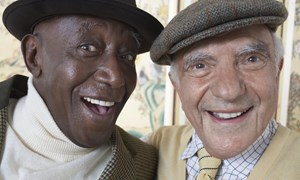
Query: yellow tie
x=208 y=165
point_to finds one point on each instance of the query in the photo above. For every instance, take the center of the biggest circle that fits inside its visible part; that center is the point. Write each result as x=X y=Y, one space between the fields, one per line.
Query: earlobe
x=173 y=81
x=29 y=47
x=281 y=64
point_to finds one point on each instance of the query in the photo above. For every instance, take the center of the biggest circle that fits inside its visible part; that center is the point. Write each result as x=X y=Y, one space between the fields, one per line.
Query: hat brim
x=21 y=16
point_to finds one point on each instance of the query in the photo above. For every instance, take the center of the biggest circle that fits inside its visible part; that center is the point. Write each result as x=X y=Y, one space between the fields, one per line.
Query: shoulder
x=171 y=134
x=285 y=140
x=144 y=156
x=176 y=129
x=16 y=81
x=138 y=149
x=288 y=135
x=281 y=158
x=14 y=87
x=133 y=143
x=171 y=141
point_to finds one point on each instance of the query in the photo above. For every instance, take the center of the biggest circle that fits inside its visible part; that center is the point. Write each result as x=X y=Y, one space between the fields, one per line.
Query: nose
x=228 y=84
x=110 y=72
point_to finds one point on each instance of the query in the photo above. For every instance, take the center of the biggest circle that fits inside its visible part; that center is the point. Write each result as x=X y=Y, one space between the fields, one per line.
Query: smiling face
x=228 y=86
x=84 y=69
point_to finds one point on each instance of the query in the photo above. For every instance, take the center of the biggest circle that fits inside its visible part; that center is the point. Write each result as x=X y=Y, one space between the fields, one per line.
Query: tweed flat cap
x=206 y=18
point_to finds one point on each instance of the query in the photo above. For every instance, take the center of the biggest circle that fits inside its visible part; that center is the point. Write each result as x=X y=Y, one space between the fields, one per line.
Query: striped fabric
x=208 y=164
x=3 y=120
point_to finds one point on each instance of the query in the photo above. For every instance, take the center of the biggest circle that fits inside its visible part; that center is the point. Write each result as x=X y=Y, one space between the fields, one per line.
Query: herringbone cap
x=206 y=18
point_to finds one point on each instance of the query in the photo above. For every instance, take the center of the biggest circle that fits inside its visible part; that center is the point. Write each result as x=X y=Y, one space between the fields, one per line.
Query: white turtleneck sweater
x=35 y=147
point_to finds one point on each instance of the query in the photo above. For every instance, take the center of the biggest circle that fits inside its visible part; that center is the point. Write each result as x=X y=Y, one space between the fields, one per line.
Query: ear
x=174 y=81
x=281 y=64
x=29 y=47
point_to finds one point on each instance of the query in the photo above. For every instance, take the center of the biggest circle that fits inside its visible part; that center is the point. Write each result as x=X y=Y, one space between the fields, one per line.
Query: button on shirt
x=238 y=167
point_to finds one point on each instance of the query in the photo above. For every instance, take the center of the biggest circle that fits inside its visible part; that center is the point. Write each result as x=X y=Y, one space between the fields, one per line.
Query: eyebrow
x=259 y=46
x=191 y=59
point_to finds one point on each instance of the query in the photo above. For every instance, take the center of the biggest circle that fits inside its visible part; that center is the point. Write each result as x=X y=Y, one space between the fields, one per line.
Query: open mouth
x=229 y=116
x=98 y=106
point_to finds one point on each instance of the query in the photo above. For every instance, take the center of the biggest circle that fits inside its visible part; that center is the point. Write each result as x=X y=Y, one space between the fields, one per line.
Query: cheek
x=75 y=71
x=68 y=76
x=191 y=92
x=266 y=87
x=268 y=95
x=131 y=80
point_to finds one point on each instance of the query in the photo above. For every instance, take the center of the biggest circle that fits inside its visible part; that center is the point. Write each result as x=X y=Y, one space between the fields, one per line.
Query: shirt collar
x=194 y=145
x=245 y=161
x=260 y=144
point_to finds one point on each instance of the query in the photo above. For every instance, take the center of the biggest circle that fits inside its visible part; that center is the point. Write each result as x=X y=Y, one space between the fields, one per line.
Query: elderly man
x=60 y=123
x=225 y=62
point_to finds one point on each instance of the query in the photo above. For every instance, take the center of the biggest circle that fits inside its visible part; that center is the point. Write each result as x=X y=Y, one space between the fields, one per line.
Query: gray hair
x=278 y=47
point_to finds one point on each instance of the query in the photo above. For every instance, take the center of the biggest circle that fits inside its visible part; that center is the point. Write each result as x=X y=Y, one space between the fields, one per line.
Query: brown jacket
x=132 y=159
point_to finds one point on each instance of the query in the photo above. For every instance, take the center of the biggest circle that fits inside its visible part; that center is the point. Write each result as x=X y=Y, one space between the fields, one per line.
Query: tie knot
x=208 y=165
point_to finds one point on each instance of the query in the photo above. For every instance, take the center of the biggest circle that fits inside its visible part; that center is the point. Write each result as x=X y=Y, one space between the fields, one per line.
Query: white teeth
x=99 y=102
x=227 y=115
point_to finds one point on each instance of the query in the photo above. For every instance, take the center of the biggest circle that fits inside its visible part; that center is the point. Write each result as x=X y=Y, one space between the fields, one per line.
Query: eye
x=128 y=57
x=198 y=69
x=253 y=62
x=199 y=66
x=88 y=47
x=253 y=59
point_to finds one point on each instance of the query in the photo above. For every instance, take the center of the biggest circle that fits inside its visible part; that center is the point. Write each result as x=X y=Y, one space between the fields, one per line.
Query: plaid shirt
x=238 y=167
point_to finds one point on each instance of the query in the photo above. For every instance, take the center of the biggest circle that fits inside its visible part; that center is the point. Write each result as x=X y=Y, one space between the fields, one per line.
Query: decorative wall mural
x=144 y=111
x=294 y=94
x=11 y=61
x=294 y=103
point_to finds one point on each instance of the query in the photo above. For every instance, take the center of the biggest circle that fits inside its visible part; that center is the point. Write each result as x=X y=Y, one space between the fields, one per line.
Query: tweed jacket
x=280 y=161
x=131 y=160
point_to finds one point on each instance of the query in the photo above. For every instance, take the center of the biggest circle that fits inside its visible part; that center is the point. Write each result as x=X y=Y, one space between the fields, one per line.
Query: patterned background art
x=11 y=61
x=144 y=111
x=294 y=95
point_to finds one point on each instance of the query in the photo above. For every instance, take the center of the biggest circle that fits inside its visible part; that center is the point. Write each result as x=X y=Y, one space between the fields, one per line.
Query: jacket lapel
x=14 y=87
x=121 y=166
x=3 y=126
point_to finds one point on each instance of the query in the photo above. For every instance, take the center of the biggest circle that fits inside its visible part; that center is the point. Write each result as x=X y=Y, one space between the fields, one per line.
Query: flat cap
x=207 y=18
